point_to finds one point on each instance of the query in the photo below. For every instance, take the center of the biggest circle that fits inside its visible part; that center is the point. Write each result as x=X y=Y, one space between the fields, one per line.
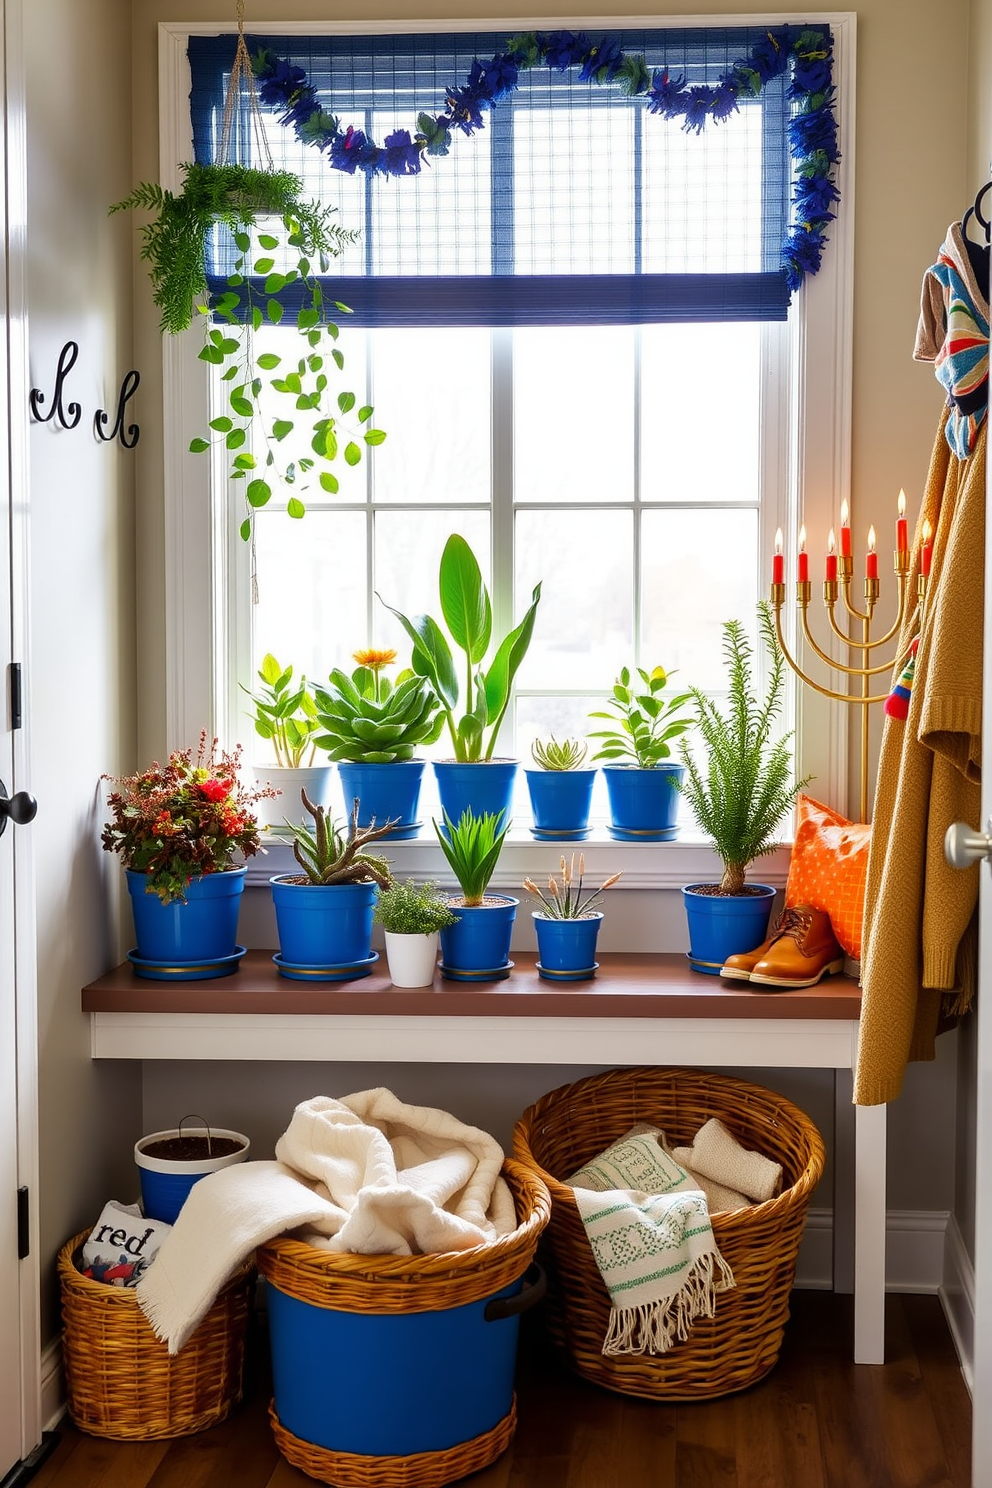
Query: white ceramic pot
x=411 y=958
x=314 y=779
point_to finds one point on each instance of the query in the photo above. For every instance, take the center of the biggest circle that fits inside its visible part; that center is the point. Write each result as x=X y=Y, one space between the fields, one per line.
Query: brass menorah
x=837 y=585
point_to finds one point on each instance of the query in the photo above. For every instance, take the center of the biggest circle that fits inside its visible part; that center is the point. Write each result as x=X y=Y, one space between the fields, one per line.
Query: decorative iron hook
x=101 y=419
x=68 y=417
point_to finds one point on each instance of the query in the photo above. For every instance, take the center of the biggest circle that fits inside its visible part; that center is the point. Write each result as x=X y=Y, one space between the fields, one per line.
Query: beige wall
x=81 y=663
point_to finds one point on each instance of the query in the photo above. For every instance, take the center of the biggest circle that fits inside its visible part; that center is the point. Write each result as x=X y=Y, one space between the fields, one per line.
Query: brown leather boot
x=742 y=963
x=804 y=952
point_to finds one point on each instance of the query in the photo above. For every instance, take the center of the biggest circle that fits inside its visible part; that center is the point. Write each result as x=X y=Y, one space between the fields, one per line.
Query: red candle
x=802 y=560
x=871 y=557
x=831 y=558
x=778 y=562
x=902 y=531
x=926 y=551
x=845 y=530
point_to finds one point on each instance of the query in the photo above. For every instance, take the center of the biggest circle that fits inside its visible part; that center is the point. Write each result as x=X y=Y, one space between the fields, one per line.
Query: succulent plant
x=375 y=730
x=329 y=855
x=568 y=755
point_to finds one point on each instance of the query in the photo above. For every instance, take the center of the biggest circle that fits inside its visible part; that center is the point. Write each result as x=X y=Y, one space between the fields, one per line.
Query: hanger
x=975 y=211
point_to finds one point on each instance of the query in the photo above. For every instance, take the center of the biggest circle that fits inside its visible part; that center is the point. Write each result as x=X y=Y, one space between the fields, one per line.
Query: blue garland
x=812 y=129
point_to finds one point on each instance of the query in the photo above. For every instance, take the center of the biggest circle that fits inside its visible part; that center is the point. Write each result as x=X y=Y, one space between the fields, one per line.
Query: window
x=637 y=466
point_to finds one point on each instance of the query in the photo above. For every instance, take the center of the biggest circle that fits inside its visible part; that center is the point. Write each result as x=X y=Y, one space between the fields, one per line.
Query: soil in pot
x=192 y=1149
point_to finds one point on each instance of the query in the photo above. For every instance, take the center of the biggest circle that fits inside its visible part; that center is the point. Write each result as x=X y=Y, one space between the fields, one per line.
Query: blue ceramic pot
x=323 y=925
x=644 y=804
x=720 y=925
x=481 y=787
x=479 y=940
x=166 y=1182
x=560 y=801
x=384 y=791
x=204 y=929
x=566 y=947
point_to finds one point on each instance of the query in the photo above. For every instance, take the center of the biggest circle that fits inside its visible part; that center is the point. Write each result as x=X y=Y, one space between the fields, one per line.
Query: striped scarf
x=953 y=333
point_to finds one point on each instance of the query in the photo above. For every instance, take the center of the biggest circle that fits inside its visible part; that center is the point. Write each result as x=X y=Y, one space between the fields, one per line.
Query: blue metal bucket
x=392 y=1384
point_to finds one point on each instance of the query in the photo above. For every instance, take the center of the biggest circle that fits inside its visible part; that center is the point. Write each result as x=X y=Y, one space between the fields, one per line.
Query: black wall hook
x=68 y=416
x=101 y=419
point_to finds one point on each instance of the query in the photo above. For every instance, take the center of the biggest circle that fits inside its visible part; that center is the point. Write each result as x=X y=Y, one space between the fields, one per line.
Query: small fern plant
x=746 y=784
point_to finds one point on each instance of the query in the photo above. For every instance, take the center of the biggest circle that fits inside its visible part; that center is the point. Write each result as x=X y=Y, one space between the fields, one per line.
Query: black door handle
x=20 y=808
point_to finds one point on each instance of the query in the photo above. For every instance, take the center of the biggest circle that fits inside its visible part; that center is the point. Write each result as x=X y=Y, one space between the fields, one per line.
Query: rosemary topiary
x=745 y=787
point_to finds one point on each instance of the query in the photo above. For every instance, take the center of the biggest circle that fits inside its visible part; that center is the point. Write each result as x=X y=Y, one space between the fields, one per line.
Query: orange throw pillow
x=828 y=869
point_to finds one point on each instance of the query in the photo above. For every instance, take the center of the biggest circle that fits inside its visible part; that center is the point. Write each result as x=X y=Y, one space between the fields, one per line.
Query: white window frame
x=205 y=586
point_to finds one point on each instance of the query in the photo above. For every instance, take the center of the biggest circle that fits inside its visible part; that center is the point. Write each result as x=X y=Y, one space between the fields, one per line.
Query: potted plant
x=642 y=782
x=738 y=795
x=177 y=828
x=371 y=727
x=324 y=913
x=567 y=925
x=411 y=915
x=285 y=716
x=270 y=223
x=476 y=947
x=485 y=693
x=170 y=1162
x=560 y=789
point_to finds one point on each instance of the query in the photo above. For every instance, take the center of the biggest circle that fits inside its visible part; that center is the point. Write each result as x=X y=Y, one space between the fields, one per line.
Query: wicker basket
x=120 y=1380
x=740 y=1344
x=376 y=1285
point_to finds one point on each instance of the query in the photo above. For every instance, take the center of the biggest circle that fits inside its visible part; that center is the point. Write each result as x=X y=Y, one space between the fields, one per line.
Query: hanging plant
x=270 y=224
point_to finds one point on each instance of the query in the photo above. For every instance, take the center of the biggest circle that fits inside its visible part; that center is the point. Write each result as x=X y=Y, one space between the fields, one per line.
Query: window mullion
x=504 y=599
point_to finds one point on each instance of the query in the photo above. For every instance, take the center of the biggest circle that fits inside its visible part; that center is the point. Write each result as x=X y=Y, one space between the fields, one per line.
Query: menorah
x=837 y=584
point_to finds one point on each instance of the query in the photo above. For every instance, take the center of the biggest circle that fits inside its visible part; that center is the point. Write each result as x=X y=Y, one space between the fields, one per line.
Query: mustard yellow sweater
x=917 y=960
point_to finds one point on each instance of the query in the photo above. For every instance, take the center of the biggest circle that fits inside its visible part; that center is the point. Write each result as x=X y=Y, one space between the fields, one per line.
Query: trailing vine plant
x=268 y=222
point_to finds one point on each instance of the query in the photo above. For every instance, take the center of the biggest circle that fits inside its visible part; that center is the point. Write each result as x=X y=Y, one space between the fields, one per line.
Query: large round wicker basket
x=740 y=1344
x=375 y=1285
x=122 y=1383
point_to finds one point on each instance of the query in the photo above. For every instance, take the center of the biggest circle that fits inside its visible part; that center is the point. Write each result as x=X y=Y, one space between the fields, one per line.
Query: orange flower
x=373 y=659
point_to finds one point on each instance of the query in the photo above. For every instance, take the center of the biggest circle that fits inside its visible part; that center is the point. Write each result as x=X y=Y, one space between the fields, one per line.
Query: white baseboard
x=914 y=1250
x=957 y=1295
x=52 y=1385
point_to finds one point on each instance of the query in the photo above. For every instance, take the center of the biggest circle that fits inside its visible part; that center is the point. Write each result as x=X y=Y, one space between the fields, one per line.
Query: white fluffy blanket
x=365 y=1174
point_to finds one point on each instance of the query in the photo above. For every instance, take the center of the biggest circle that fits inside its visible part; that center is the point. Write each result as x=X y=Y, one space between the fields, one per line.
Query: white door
x=20 y=1425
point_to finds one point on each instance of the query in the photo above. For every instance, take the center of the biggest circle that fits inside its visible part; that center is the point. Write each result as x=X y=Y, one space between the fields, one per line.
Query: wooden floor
x=818 y=1421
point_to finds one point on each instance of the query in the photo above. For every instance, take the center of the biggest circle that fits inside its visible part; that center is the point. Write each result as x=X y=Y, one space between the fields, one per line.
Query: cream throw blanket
x=365 y=1174
x=650 y=1233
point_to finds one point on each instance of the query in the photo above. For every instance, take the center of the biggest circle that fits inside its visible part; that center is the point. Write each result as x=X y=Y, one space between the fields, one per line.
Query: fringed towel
x=953 y=333
x=650 y=1234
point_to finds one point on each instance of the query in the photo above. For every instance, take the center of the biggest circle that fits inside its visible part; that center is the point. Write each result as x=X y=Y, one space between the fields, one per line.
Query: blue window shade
x=572 y=206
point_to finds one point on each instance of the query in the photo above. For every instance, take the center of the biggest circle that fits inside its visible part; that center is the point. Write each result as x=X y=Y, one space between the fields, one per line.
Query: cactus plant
x=328 y=855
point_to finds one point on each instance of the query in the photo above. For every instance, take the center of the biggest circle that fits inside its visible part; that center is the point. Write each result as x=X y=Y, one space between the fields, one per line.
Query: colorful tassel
x=897 y=702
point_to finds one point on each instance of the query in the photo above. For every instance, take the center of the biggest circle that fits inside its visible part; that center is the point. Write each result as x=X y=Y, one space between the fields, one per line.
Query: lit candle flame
x=927 y=532
x=831 y=542
x=901 y=503
x=802 y=538
x=778 y=540
x=845 y=514
x=871 y=539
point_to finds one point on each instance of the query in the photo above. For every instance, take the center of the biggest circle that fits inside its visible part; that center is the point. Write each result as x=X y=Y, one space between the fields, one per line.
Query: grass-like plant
x=411 y=908
x=642 y=722
x=746 y=784
x=472 y=848
x=284 y=713
x=551 y=755
x=330 y=855
x=564 y=901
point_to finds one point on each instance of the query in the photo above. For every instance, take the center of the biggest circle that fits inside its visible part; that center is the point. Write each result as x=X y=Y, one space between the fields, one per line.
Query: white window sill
x=644 y=865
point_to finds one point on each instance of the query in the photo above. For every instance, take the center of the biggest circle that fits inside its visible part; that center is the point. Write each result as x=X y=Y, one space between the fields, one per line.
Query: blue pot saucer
x=178 y=971
x=560 y=834
x=552 y=975
x=642 y=834
x=492 y=974
x=708 y=968
x=403 y=833
x=346 y=972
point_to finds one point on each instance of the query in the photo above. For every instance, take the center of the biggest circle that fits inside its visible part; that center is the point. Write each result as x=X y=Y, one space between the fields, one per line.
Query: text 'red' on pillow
x=828 y=869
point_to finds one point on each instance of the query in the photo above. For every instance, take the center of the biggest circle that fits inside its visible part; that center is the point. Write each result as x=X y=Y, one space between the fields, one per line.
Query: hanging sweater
x=918 y=960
